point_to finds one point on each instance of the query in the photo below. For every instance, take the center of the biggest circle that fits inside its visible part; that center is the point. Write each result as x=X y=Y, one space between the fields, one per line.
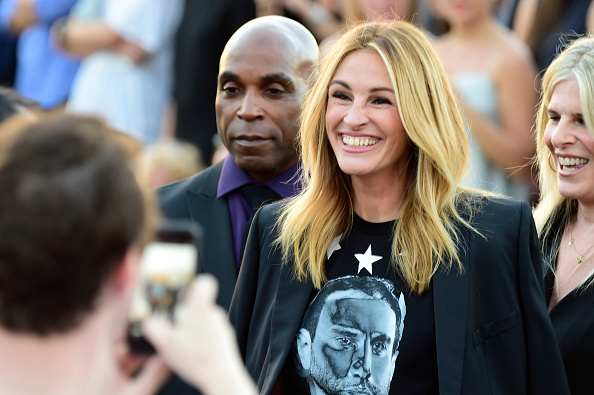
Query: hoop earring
x=552 y=163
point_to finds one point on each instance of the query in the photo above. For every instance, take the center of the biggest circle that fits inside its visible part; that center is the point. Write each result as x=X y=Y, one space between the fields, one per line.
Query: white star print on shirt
x=366 y=260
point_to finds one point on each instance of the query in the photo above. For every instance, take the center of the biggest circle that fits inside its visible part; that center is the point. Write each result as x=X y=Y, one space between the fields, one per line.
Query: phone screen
x=167 y=266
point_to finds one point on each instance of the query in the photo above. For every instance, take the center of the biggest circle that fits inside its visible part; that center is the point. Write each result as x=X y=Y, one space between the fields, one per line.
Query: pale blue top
x=480 y=94
x=130 y=97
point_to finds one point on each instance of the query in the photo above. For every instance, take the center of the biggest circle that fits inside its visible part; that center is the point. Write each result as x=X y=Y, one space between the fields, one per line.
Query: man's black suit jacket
x=493 y=333
x=195 y=198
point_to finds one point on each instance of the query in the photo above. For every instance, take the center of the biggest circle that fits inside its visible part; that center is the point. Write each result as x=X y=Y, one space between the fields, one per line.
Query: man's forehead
x=260 y=41
x=344 y=301
x=267 y=42
x=367 y=314
x=347 y=294
x=261 y=31
x=258 y=63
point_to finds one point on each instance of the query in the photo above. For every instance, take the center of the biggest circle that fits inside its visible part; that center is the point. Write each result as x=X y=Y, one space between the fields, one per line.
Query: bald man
x=263 y=78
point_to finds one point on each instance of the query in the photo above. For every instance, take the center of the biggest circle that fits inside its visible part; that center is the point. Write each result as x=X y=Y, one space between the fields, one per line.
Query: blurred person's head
x=263 y=78
x=12 y=103
x=379 y=10
x=168 y=161
x=465 y=12
x=565 y=135
x=72 y=219
x=336 y=7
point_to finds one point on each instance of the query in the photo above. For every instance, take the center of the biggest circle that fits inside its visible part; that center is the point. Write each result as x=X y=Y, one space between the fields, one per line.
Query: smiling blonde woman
x=565 y=213
x=383 y=152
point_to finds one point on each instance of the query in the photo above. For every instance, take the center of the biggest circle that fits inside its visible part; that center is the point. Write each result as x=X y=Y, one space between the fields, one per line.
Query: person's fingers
x=133 y=51
x=202 y=291
x=161 y=333
x=158 y=331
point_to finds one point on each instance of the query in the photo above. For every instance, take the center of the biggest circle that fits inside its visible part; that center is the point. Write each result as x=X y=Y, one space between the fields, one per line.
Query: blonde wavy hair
x=426 y=231
x=554 y=211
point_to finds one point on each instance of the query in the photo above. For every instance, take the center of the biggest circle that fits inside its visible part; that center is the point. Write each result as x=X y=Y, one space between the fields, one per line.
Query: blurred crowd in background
x=149 y=67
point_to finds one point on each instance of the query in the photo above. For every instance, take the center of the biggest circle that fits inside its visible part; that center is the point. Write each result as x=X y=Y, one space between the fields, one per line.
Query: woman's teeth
x=566 y=163
x=358 y=142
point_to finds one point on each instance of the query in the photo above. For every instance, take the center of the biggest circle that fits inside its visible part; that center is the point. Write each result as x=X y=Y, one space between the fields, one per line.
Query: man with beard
x=350 y=335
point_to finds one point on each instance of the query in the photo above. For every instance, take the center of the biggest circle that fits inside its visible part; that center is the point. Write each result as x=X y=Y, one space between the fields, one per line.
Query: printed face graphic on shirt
x=349 y=340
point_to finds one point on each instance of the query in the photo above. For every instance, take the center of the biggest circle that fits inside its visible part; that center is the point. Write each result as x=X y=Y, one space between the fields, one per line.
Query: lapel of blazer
x=213 y=215
x=291 y=303
x=450 y=303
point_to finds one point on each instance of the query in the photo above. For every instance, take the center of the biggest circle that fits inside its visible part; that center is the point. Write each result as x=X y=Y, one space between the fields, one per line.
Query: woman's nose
x=356 y=116
x=563 y=134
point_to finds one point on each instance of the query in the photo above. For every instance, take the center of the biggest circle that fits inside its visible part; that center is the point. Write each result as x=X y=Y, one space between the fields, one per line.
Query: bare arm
x=524 y=18
x=510 y=145
x=24 y=15
x=82 y=38
x=27 y=13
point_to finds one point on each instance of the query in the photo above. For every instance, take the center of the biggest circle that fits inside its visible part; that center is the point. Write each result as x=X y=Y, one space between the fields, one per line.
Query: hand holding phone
x=168 y=265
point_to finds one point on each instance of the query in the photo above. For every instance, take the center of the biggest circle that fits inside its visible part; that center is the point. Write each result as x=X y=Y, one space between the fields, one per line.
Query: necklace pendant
x=580 y=259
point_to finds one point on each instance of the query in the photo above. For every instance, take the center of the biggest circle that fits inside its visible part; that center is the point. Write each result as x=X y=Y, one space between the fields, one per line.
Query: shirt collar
x=232 y=177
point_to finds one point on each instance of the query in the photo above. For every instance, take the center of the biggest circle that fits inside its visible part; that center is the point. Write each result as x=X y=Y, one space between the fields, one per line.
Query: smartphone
x=167 y=266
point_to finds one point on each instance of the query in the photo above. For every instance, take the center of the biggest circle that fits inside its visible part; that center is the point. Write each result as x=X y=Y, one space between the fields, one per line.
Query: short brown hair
x=70 y=208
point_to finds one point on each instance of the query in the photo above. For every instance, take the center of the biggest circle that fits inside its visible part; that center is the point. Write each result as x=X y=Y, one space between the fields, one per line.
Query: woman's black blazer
x=492 y=329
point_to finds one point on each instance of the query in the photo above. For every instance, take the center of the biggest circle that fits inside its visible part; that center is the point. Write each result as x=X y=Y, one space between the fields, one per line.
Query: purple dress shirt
x=233 y=178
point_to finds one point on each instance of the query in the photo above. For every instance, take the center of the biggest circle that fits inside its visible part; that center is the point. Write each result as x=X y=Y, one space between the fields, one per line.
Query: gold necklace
x=580 y=258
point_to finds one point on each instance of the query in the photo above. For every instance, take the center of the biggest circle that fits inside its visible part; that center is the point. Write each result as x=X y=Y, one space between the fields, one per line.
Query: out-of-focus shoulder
x=515 y=52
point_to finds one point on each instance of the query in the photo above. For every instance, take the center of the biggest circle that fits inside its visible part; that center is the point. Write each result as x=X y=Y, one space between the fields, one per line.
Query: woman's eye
x=381 y=100
x=554 y=118
x=340 y=96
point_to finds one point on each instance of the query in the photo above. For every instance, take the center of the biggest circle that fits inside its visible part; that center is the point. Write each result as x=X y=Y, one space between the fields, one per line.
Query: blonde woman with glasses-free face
x=364 y=127
x=383 y=150
x=565 y=214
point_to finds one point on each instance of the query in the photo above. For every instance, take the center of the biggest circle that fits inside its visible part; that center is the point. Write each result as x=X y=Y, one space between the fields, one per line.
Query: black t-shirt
x=349 y=337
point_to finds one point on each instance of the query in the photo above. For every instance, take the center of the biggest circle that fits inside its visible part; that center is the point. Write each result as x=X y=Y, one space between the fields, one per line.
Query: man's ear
x=125 y=275
x=304 y=348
